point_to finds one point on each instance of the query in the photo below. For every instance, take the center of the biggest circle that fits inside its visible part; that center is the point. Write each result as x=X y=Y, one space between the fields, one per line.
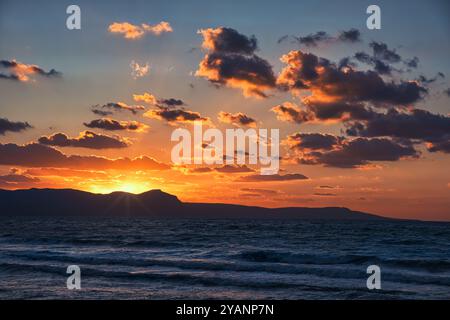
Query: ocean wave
x=300 y=258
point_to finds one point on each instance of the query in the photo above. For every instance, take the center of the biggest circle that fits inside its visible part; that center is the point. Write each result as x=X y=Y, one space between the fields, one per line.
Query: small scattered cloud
x=132 y=32
x=170 y=110
x=176 y=115
x=351 y=35
x=290 y=112
x=282 y=38
x=12 y=126
x=16 y=177
x=139 y=71
x=383 y=57
x=18 y=71
x=325 y=194
x=145 y=97
x=314 y=39
x=273 y=177
x=161 y=103
x=237 y=119
x=116 y=125
x=327 y=187
x=382 y=52
x=110 y=107
x=266 y=192
x=233 y=169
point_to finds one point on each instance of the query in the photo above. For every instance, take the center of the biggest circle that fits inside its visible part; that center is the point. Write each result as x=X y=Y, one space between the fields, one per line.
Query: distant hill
x=153 y=203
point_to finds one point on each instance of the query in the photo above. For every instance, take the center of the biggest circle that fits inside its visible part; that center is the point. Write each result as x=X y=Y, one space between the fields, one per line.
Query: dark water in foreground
x=221 y=259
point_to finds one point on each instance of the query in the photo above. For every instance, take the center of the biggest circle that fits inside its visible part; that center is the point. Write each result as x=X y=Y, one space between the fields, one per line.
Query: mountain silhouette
x=154 y=204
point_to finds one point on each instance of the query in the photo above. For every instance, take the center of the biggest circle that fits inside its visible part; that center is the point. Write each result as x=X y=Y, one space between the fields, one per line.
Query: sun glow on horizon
x=134 y=187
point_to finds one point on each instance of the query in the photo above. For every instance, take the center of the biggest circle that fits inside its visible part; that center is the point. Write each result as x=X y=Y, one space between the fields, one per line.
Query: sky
x=363 y=114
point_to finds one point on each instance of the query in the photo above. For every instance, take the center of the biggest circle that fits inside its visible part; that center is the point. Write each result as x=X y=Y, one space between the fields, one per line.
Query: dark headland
x=154 y=204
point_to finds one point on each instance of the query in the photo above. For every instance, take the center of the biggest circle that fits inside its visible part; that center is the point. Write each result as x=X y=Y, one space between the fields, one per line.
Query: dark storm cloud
x=359 y=152
x=346 y=62
x=332 y=83
x=379 y=66
x=440 y=146
x=231 y=61
x=7 y=125
x=313 y=141
x=323 y=111
x=228 y=40
x=414 y=124
x=9 y=77
x=87 y=139
x=252 y=74
x=113 y=125
x=38 y=155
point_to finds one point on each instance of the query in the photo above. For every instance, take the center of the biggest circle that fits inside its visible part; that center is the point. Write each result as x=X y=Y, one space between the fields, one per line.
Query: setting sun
x=126 y=186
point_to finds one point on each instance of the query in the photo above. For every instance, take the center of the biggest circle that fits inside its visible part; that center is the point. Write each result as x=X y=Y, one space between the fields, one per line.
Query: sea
x=129 y=258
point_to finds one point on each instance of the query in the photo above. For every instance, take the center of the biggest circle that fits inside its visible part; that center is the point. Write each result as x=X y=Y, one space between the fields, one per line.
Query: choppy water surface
x=222 y=259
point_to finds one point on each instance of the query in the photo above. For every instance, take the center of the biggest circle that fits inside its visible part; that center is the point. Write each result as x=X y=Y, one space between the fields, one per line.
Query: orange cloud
x=237 y=119
x=132 y=32
x=19 y=71
x=231 y=61
x=138 y=71
x=145 y=97
x=35 y=155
